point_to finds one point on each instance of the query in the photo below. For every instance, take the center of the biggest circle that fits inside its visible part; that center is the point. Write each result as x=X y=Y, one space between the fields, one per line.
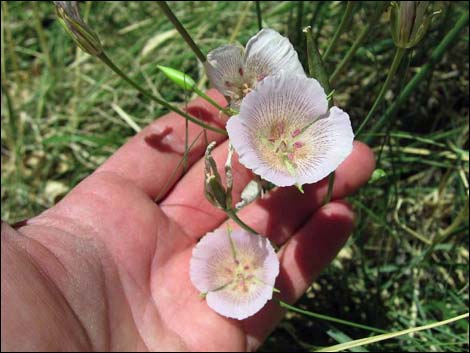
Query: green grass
x=406 y=264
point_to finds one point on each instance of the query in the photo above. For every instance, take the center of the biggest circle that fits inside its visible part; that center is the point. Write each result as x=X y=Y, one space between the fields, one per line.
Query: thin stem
x=232 y=214
x=41 y=36
x=182 y=31
x=10 y=43
x=340 y=29
x=391 y=73
x=385 y=336
x=186 y=144
x=360 y=38
x=329 y=318
x=201 y=94
x=167 y=105
x=258 y=14
x=298 y=24
x=171 y=178
x=436 y=56
x=329 y=193
x=240 y=21
x=232 y=245
x=351 y=51
x=318 y=5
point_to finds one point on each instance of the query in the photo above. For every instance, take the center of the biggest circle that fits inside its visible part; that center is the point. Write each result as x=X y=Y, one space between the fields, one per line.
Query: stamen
x=298 y=144
x=296 y=132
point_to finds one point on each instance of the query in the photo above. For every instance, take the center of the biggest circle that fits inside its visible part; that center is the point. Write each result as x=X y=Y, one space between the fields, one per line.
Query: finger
x=305 y=255
x=285 y=210
x=280 y=214
x=149 y=158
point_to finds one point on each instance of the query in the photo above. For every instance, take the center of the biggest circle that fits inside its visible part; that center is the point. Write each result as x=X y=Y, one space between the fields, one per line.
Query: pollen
x=280 y=146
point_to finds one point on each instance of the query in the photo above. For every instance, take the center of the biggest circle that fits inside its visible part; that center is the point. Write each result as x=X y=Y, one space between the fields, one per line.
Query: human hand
x=107 y=267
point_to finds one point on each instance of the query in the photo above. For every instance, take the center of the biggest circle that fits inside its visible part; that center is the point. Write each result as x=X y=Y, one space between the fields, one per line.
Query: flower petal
x=223 y=68
x=268 y=52
x=239 y=308
x=291 y=101
x=236 y=287
x=332 y=140
x=258 y=252
x=209 y=259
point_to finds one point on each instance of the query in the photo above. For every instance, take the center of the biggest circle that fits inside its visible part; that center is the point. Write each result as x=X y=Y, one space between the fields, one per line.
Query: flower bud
x=409 y=22
x=217 y=194
x=215 y=191
x=178 y=77
x=82 y=35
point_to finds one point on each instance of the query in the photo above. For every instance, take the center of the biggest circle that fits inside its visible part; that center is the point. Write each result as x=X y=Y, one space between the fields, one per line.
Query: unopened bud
x=178 y=77
x=82 y=35
x=217 y=194
x=409 y=22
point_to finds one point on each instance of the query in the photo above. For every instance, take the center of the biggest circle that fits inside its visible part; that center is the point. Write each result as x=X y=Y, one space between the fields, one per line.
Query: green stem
x=10 y=43
x=329 y=318
x=436 y=56
x=351 y=52
x=329 y=193
x=391 y=73
x=160 y=101
x=232 y=214
x=182 y=31
x=360 y=38
x=340 y=29
x=258 y=15
x=201 y=94
x=41 y=36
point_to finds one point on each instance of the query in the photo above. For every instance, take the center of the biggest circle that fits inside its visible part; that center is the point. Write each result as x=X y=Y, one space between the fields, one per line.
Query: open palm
x=107 y=267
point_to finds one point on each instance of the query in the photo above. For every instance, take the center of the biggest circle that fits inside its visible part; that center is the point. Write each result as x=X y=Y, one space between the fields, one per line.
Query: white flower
x=285 y=133
x=236 y=271
x=235 y=71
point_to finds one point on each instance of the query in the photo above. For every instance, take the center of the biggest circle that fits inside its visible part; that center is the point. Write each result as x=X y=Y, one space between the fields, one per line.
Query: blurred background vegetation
x=63 y=113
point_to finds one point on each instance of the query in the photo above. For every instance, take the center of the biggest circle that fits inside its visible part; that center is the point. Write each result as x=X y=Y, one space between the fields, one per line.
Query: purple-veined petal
x=278 y=109
x=224 y=68
x=236 y=287
x=267 y=53
x=332 y=140
x=211 y=253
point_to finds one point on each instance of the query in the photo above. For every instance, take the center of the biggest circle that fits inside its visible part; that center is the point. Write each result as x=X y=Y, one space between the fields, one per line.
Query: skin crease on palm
x=107 y=267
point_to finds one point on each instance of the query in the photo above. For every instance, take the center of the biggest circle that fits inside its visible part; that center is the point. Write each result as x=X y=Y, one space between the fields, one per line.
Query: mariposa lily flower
x=236 y=71
x=235 y=271
x=285 y=133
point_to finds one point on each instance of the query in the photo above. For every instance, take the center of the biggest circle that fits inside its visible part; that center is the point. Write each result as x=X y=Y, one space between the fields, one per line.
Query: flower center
x=243 y=276
x=282 y=146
